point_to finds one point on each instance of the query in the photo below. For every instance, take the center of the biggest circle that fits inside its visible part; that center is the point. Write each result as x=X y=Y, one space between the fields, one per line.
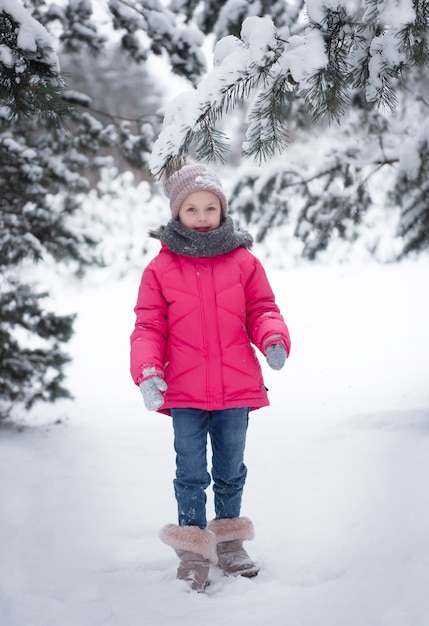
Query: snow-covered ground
x=338 y=471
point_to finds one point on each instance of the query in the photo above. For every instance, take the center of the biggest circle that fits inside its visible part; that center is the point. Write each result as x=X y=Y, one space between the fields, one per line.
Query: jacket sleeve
x=265 y=324
x=148 y=339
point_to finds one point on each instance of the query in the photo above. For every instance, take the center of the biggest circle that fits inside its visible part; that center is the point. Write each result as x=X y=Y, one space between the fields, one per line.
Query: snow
x=390 y=14
x=304 y=55
x=6 y=56
x=31 y=33
x=258 y=35
x=316 y=9
x=338 y=469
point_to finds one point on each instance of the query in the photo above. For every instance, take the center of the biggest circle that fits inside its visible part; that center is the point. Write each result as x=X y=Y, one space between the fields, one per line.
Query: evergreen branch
x=267 y=121
x=228 y=97
x=414 y=39
x=29 y=86
x=231 y=95
x=210 y=144
x=384 y=95
x=327 y=91
x=327 y=95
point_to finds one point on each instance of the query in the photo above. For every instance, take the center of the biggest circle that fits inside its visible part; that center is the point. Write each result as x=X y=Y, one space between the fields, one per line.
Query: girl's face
x=201 y=211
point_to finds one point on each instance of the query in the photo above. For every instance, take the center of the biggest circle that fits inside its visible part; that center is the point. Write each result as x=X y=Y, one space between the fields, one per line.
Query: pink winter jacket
x=195 y=321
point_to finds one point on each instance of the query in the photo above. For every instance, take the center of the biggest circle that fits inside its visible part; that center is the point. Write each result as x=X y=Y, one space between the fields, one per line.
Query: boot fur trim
x=191 y=539
x=231 y=529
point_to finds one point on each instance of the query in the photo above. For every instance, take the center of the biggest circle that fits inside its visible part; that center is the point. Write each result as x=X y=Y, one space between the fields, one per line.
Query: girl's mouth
x=204 y=229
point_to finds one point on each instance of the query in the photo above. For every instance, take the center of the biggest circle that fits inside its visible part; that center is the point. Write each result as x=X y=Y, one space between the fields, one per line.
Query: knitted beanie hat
x=193 y=177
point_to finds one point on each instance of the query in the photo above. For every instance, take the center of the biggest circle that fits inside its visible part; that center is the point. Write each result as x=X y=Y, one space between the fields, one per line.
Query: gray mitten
x=276 y=356
x=152 y=390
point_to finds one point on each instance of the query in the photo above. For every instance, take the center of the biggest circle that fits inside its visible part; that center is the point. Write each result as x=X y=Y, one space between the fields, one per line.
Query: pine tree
x=30 y=79
x=36 y=223
x=41 y=179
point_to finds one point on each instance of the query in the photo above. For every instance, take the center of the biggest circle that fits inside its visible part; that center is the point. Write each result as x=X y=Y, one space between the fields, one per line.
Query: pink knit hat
x=193 y=177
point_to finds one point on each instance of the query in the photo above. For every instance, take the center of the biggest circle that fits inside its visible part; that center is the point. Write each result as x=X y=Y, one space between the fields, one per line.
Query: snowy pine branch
x=327 y=90
x=30 y=79
x=29 y=374
x=268 y=120
x=413 y=36
x=227 y=86
x=359 y=47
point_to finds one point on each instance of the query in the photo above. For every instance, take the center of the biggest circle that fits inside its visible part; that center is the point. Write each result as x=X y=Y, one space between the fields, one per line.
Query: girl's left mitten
x=152 y=390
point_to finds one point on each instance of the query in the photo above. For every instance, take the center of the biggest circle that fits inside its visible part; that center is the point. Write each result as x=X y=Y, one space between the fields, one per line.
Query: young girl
x=203 y=300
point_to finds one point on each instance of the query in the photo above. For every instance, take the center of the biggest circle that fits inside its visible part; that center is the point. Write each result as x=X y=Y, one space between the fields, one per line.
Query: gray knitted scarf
x=182 y=240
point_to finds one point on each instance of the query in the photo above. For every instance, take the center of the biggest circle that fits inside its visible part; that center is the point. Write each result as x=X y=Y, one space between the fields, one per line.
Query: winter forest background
x=315 y=115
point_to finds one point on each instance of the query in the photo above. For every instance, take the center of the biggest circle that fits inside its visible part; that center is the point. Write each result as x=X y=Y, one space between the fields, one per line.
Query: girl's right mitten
x=276 y=356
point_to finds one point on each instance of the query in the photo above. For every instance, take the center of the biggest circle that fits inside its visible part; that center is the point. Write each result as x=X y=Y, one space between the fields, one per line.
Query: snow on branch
x=31 y=35
x=241 y=65
x=30 y=79
x=346 y=46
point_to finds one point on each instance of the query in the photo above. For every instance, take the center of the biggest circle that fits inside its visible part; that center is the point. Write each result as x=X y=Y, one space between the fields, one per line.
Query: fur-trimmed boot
x=196 y=549
x=232 y=557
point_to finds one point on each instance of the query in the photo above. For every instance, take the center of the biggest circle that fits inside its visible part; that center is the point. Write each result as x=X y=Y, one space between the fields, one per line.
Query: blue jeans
x=227 y=430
